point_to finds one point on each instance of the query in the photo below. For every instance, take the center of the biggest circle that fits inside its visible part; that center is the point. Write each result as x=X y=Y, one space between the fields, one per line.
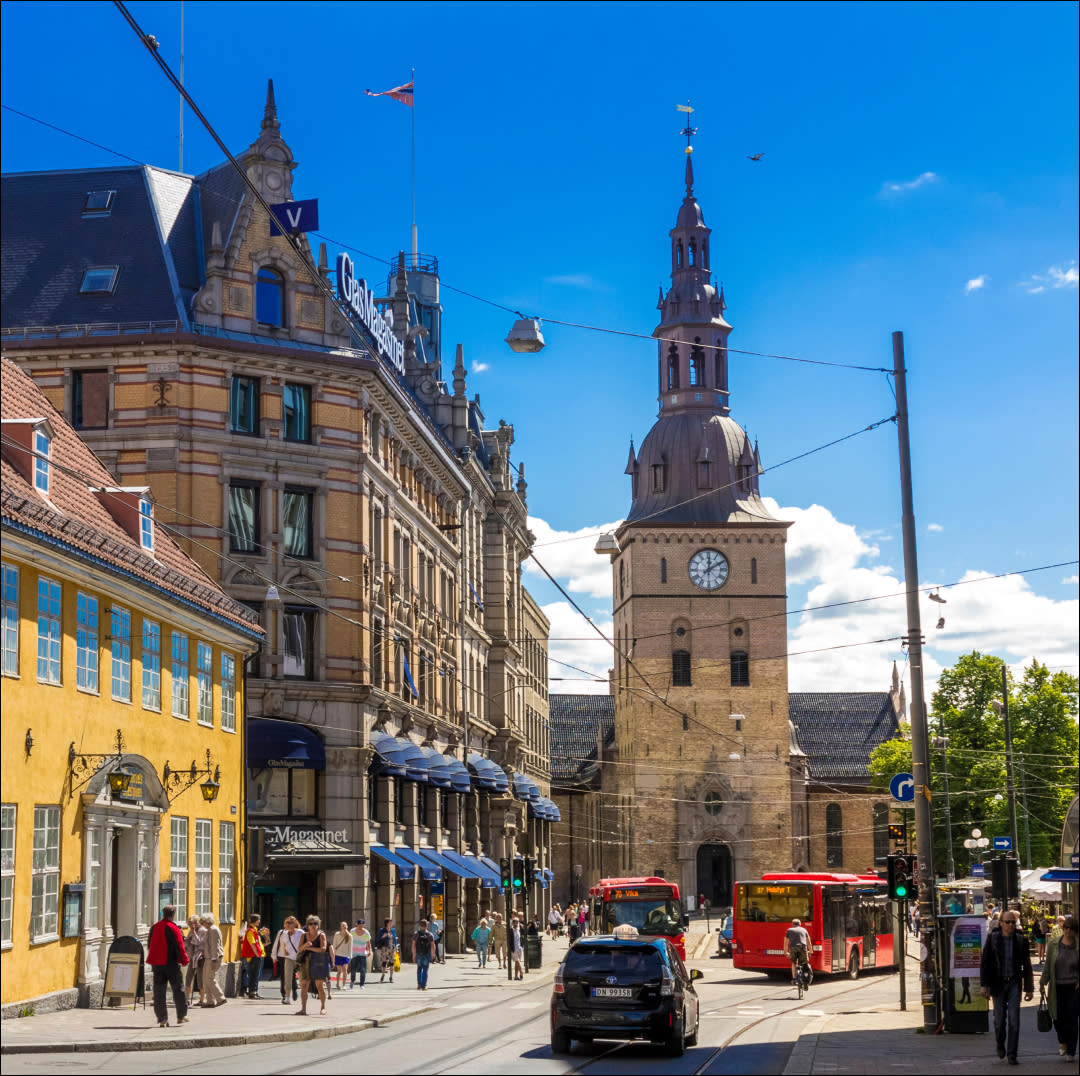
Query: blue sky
x=919 y=173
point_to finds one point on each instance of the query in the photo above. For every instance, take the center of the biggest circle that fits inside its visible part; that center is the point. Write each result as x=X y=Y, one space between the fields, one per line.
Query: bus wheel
x=853 y=965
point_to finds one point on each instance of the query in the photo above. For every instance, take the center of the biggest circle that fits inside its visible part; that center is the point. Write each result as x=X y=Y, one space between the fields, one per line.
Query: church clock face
x=708 y=569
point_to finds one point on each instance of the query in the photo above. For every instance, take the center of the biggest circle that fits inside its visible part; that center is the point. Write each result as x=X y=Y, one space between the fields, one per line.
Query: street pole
x=950 y=865
x=1011 y=786
x=919 y=739
x=1027 y=820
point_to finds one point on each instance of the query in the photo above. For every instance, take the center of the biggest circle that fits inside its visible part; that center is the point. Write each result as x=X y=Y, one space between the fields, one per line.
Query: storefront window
x=284 y=793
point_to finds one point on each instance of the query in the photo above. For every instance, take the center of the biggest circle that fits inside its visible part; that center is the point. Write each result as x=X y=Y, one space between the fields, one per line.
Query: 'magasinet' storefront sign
x=361 y=301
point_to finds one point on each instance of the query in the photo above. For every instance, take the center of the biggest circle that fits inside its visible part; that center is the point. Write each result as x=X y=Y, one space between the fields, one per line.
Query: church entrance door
x=714 y=874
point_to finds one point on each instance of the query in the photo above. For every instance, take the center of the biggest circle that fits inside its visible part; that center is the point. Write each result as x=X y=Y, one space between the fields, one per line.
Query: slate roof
x=74 y=519
x=577 y=722
x=838 y=729
x=150 y=233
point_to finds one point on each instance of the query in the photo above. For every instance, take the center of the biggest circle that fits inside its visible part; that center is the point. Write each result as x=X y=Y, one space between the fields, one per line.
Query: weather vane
x=687 y=130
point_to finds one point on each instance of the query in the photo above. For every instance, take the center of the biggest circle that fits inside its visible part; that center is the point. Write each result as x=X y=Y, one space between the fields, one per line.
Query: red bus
x=650 y=904
x=848 y=917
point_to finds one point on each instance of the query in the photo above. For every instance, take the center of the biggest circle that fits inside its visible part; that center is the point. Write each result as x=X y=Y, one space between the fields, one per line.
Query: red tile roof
x=74 y=516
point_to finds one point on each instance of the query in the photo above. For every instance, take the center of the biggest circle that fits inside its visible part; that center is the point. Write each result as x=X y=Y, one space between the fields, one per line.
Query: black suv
x=614 y=988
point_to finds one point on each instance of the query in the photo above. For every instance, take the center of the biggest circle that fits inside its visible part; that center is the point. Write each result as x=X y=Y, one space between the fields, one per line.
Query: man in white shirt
x=361 y=948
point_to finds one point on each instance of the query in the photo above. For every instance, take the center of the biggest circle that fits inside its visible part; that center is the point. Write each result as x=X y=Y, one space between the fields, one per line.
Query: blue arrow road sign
x=1003 y=844
x=978 y=870
x=902 y=787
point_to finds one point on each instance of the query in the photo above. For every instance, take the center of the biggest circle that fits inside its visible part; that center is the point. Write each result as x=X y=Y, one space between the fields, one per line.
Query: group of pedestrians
x=201 y=952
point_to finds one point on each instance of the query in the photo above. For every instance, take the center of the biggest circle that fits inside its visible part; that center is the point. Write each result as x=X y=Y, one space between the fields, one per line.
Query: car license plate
x=612 y=992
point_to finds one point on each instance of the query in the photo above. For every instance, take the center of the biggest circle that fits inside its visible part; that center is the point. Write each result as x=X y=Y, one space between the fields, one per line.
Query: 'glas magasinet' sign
x=361 y=301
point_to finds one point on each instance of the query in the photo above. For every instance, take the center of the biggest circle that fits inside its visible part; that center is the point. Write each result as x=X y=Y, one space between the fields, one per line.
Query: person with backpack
x=386 y=942
x=423 y=949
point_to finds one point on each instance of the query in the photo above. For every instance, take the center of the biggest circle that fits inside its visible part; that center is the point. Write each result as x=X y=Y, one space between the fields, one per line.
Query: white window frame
x=181 y=672
x=178 y=864
x=228 y=692
x=42 y=461
x=146 y=524
x=120 y=645
x=87 y=642
x=9 y=592
x=204 y=683
x=8 y=819
x=45 y=883
x=151 y=665
x=204 y=865
x=95 y=877
x=226 y=867
x=50 y=636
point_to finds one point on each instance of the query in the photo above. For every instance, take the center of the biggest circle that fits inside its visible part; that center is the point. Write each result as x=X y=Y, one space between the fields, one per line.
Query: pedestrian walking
x=285 y=954
x=554 y=921
x=423 y=949
x=314 y=966
x=253 y=953
x=1039 y=929
x=387 y=942
x=194 y=943
x=1061 y=975
x=497 y=942
x=435 y=925
x=481 y=936
x=361 y=948
x=517 y=948
x=1005 y=970
x=342 y=945
x=166 y=954
x=213 y=955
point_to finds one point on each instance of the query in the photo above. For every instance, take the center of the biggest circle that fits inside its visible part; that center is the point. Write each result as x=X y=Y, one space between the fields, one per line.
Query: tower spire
x=689 y=177
x=270 y=112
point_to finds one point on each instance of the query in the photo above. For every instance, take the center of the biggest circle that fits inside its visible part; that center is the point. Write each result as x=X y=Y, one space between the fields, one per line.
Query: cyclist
x=797 y=949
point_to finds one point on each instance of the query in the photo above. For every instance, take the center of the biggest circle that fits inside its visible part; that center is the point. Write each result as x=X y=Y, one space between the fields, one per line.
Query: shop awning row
x=432 y=863
x=545 y=809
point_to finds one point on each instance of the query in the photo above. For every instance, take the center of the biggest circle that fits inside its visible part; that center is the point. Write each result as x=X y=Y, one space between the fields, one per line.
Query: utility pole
x=1010 y=783
x=950 y=865
x=1027 y=821
x=920 y=748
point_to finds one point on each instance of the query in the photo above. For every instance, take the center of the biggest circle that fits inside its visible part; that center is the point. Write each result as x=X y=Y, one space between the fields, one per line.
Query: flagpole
x=412 y=155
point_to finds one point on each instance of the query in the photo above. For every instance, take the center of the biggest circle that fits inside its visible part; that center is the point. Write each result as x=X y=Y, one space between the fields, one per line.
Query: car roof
x=610 y=941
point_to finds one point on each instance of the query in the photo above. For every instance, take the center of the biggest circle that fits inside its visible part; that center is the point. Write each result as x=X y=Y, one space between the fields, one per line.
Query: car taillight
x=667 y=983
x=559 y=988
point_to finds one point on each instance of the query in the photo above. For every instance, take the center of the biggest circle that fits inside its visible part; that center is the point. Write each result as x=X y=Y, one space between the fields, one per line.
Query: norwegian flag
x=404 y=93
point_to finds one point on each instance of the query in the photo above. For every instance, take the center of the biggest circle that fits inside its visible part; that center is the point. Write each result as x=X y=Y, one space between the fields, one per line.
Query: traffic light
x=506 y=874
x=1012 y=877
x=530 y=870
x=901 y=877
x=1005 y=878
x=518 y=876
x=897 y=832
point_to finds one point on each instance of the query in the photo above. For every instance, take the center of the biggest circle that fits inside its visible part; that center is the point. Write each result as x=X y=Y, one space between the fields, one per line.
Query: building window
x=204 y=683
x=697 y=366
x=663 y=569
x=42 y=461
x=881 y=832
x=7 y=872
x=226 y=854
x=740 y=668
x=204 y=865
x=673 y=368
x=244 y=517
x=151 y=665
x=179 y=675
x=703 y=477
x=297 y=523
x=45 y=887
x=98 y=203
x=298 y=624
x=296 y=405
x=146 y=524
x=121 y=654
x=86 y=642
x=283 y=793
x=244 y=405
x=714 y=803
x=270 y=297
x=834 y=836
x=178 y=864
x=228 y=693
x=753 y=569
x=94 y=878
x=99 y=280
x=90 y=399
x=659 y=477
x=680 y=668
x=48 y=649
x=9 y=591
x=377 y=653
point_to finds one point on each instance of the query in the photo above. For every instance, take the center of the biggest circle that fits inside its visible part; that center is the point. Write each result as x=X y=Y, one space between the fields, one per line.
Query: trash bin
x=534 y=947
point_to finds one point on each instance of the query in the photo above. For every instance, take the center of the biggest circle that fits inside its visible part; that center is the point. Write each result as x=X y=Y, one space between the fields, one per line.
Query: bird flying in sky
x=755 y=156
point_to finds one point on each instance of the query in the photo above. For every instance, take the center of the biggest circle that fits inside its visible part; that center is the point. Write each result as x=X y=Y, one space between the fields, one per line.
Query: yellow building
x=122 y=784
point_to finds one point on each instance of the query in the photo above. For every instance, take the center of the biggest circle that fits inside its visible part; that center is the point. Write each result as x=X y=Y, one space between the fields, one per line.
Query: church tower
x=701 y=788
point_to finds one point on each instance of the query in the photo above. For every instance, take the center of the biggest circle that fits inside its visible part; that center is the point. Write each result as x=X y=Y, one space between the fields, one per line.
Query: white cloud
x=1057 y=276
x=480 y=367
x=569 y=556
x=579 y=658
x=909 y=185
x=1074 y=578
x=976 y=283
x=936 y=527
x=577 y=280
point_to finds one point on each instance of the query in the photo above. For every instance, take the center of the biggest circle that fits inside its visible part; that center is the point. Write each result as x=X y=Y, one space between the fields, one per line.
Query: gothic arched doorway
x=714 y=875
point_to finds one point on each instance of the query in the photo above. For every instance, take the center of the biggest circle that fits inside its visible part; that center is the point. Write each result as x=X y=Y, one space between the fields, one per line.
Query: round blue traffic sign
x=902 y=787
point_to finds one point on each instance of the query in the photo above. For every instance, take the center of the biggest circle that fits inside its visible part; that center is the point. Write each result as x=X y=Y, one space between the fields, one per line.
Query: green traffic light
x=517 y=883
x=901 y=890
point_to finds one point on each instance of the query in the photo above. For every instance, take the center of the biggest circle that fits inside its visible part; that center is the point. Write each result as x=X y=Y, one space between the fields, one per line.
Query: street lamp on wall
x=82 y=767
x=176 y=782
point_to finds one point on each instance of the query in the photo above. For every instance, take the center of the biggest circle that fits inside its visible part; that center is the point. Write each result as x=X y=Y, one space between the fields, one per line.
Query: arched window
x=693 y=252
x=720 y=364
x=659 y=477
x=678 y=255
x=697 y=366
x=705 y=254
x=834 y=836
x=673 y=367
x=753 y=569
x=663 y=569
x=680 y=668
x=622 y=580
x=740 y=668
x=881 y=832
x=270 y=297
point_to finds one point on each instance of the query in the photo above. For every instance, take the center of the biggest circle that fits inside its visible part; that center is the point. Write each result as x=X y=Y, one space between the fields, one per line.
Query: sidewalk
x=241 y=1021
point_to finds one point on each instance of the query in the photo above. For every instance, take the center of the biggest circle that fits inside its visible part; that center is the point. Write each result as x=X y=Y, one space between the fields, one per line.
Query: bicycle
x=803 y=974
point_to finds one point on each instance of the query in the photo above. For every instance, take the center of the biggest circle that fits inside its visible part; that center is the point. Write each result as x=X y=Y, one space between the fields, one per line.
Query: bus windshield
x=774 y=902
x=655 y=916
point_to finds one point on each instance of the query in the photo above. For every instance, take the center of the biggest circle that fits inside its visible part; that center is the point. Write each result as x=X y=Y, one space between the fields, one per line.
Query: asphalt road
x=749 y=1024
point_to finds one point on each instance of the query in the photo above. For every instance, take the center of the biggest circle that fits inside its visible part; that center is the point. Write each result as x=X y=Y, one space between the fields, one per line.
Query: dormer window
x=42 y=461
x=99 y=280
x=146 y=524
x=270 y=297
x=98 y=203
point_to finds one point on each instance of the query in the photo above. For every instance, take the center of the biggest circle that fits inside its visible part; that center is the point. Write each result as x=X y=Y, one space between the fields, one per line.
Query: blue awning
x=406 y=870
x=438 y=768
x=416 y=763
x=389 y=756
x=283 y=745
x=1062 y=874
x=553 y=808
x=471 y=867
x=545 y=809
x=525 y=788
x=487 y=777
x=428 y=870
x=491 y=865
x=460 y=781
x=446 y=863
